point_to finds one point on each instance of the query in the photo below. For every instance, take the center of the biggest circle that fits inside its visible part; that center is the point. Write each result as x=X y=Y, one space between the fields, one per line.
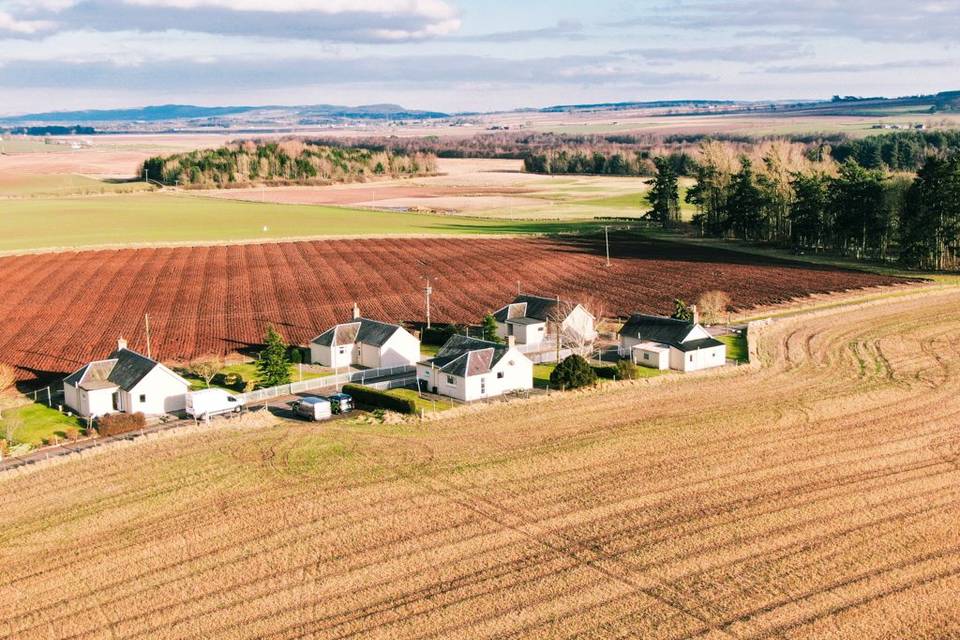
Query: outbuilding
x=366 y=343
x=661 y=343
x=471 y=369
x=126 y=382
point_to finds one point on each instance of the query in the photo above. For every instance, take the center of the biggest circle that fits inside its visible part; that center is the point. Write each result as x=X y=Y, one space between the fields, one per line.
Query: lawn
x=171 y=218
x=248 y=371
x=40 y=422
x=736 y=346
x=541 y=374
x=423 y=404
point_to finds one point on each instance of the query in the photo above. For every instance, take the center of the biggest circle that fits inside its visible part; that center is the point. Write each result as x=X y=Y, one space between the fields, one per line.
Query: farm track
x=64 y=310
x=816 y=495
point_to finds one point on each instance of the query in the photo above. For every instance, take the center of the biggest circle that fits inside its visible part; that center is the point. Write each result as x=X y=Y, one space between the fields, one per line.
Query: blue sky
x=458 y=55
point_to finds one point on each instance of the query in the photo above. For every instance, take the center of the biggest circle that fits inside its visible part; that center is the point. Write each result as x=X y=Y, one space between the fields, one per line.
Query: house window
x=426 y=374
x=341 y=350
x=449 y=379
x=646 y=356
x=499 y=374
x=483 y=385
x=691 y=358
x=540 y=329
x=143 y=397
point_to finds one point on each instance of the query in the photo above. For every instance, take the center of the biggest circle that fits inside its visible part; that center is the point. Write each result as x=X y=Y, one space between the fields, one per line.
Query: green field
x=169 y=218
x=427 y=405
x=248 y=371
x=65 y=184
x=736 y=346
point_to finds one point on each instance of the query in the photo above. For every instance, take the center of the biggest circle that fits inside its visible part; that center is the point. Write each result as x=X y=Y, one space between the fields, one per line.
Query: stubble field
x=815 y=497
x=71 y=307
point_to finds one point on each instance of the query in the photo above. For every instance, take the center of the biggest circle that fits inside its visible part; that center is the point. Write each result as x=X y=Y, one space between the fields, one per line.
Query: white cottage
x=125 y=382
x=528 y=319
x=366 y=343
x=666 y=343
x=471 y=369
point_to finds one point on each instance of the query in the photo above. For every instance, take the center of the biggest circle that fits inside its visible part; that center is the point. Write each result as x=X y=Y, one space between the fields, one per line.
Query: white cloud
x=10 y=23
x=437 y=9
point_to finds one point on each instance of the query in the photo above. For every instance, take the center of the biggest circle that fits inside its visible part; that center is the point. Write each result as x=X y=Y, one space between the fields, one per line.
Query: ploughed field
x=815 y=497
x=64 y=309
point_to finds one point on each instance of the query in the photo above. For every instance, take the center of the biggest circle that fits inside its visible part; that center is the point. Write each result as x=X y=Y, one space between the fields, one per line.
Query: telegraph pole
x=606 y=238
x=146 y=322
x=428 y=290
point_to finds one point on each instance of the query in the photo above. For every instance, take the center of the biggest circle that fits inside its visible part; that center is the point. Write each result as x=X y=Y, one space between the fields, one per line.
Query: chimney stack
x=121 y=344
x=511 y=341
x=696 y=314
x=356 y=311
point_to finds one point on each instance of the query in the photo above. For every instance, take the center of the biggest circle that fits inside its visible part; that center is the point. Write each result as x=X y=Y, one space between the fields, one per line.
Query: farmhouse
x=366 y=343
x=665 y=343
x=126 y=382
x=470 y=369
x=528 y=319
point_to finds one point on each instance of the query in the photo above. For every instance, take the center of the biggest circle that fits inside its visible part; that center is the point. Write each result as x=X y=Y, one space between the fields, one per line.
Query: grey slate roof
x=463 y=356
x=535 y=307
x=657 y=329
x=124 y=368
x=371 y=332
x=703 y=343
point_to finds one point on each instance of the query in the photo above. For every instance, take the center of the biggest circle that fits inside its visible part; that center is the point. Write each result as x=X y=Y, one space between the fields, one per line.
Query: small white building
x=529 y=319
x=125 y=382
x=365 y=343
x=666 y=343
x=471 y=369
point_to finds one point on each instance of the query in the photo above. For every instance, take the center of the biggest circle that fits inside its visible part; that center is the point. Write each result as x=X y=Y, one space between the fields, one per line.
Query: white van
x=312 y=408
x=212 y=402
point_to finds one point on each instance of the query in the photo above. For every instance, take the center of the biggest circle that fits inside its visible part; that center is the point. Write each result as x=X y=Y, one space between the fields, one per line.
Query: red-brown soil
x=64 y=309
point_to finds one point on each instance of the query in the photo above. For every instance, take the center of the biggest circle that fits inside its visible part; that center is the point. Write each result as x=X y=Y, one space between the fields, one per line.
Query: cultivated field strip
x=814 y=496
x=66 y=309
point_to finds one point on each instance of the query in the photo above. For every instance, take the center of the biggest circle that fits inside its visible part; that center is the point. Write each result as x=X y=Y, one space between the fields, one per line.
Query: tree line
x=846 y=208
x=284 y=162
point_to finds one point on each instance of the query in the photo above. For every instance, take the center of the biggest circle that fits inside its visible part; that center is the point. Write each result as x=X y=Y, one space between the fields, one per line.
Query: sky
x=467 y=55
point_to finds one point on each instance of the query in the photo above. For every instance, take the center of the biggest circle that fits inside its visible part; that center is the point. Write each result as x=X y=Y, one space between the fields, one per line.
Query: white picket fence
x=259 y=395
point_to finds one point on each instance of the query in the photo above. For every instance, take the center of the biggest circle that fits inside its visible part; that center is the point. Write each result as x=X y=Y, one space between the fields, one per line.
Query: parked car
x=211 y=402
x=340 y=403
x=312 y=408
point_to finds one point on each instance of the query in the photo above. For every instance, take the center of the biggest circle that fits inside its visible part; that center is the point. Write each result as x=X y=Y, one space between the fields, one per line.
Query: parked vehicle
x=340 y=403
x=312 y=408
x=212 y=402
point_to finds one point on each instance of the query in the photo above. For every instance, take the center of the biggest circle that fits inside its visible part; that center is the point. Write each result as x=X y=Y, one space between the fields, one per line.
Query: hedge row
x=116 y=423
x=373 y=398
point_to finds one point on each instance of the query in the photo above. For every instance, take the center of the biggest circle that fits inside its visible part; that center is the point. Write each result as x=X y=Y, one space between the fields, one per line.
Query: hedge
x=607 y=372
x=116 y=423
x=373 y=398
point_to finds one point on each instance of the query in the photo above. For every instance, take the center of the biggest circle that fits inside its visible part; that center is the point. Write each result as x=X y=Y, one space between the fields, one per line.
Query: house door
x=116 y=401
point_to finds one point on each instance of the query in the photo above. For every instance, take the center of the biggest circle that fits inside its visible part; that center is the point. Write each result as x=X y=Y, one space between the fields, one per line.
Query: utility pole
x=428 y=290
x=146 y=175
x=606 y=237
x=146 y=322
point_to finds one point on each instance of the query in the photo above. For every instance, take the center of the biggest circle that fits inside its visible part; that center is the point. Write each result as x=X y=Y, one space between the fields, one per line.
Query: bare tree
x=12 y=422
x=580 y=340
x=206 y=367
x=713 y=306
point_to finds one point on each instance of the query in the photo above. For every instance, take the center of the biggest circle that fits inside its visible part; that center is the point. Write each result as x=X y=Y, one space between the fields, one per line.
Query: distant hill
x=173 y=112
x=620 y=106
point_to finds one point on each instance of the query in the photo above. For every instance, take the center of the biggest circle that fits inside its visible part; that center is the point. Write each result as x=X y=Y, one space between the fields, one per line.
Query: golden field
x=813 y=495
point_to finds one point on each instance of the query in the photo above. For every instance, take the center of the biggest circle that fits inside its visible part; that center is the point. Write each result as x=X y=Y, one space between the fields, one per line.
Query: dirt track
x=815 y=497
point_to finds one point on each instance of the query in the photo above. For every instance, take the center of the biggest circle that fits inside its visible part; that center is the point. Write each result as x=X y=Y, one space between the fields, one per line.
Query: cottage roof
x=463 y=356
x=365 y=330
x=668 y=331
x=534 y=307
x=124 y=369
